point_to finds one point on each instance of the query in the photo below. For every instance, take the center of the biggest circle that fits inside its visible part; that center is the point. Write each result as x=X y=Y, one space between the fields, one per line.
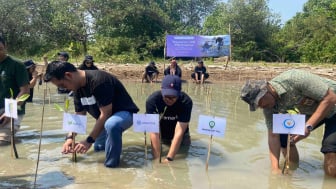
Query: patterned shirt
x=301 y=90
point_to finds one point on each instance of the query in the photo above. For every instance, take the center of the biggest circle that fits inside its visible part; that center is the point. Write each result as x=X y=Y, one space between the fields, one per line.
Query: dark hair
x=57 y=69
x=2 y=40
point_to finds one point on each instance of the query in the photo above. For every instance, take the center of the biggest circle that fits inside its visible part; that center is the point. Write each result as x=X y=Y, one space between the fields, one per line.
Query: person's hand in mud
x=4 y=120
x=67 y=146
x=82 y=147
x=297 y=138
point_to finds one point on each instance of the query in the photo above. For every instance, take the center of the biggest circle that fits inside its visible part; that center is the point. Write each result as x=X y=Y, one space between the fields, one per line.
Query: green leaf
x=293 y=111
x=11 y=92
x=23 y=97
x=66 y=105
x=59 y=108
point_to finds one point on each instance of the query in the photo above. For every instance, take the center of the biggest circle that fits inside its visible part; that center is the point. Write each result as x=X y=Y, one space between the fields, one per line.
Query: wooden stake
x=286 y=164
x=209 y=147
x=74 y=155
x=13 y=149
x=145 y=145
x=40 y=141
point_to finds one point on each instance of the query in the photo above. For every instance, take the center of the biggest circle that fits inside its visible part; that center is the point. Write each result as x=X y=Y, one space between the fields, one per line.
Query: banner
x=197 y=45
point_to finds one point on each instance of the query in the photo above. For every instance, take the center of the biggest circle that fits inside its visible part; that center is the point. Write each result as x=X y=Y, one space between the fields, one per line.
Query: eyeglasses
x=88 y=62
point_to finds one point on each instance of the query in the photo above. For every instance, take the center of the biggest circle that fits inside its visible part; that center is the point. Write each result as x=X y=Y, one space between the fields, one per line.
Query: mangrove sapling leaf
x=11 y=92
x=58 y=107
x=22 y=98
x=67 y=104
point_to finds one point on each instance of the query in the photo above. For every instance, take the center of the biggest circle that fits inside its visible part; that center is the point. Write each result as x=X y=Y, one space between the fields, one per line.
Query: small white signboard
x=210 y=125
x=146 y=123
x=289 y=124
x=11 y=108
x=74 y=123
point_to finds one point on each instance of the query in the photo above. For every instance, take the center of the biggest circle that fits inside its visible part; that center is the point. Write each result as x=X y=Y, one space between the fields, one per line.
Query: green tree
x=311 y=35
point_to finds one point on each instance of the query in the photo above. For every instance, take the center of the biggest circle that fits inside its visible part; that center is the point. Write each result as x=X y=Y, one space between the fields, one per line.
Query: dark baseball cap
x=253 y=91
x=64 y=54
x=89 y=57
x=29 y=63
x=171 y=85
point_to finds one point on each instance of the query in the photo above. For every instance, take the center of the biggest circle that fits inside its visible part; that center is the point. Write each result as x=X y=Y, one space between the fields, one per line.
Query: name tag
x=87 y=101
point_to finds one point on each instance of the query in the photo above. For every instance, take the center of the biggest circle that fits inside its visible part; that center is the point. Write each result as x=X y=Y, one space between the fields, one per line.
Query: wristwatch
x=309 y=128
x=68 y=137
x=169 y=158
x=90 y=140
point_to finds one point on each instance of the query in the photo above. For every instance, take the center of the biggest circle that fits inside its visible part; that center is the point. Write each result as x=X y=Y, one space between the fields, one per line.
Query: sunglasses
x=170 y=97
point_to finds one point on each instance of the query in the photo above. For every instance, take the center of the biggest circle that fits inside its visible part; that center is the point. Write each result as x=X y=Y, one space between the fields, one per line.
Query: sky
x=286 y=8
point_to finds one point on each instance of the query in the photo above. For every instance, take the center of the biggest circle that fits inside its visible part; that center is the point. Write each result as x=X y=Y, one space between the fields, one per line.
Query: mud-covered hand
x=67 y=146
x=82 y=147
x=297 y=138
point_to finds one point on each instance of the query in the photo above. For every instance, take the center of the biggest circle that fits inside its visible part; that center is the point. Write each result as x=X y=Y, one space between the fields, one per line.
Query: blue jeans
x=110 y=139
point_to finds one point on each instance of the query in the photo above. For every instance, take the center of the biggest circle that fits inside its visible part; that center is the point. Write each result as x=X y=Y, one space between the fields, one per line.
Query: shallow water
x=238 y=160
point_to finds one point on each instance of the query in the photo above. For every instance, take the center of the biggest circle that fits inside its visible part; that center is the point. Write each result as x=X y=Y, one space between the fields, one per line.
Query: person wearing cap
x=63 y=56
x=113 y=112
x=151 y=73
x=173 y=69
x=13 y=77
x=174 y=107
x=33 y=77
x=200 y=75
x=306 y=93
x=88 y=64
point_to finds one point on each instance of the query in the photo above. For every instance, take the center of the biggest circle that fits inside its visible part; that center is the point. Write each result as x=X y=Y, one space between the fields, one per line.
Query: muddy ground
x=220 y=72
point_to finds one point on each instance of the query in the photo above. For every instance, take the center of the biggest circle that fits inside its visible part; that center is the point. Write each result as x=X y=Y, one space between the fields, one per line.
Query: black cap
x=64 y=54
x=89 y=57
x=29 y=63
x=171 y=85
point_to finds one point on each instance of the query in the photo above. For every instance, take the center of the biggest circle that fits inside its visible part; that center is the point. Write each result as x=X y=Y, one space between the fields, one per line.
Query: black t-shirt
x=200 y=69
x=151 y=69
x=178 y=71
x=102 y=89
x=31 y=90
x=180 y=111
x=84 y=67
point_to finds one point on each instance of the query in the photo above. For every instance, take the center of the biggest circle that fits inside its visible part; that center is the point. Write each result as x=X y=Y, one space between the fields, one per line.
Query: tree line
x=135 y=30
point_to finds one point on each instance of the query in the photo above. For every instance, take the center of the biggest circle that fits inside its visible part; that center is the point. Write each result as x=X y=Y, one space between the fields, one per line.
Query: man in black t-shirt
x=151 y=73
x=174 y=108
x=200 y=74
x=105 y=98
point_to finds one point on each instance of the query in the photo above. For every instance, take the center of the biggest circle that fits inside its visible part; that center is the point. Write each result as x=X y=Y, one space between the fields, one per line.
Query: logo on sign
x=212 y=124
x=289 y=123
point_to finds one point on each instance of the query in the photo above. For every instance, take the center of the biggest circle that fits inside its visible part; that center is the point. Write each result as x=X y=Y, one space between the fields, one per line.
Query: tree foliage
x=133 y=30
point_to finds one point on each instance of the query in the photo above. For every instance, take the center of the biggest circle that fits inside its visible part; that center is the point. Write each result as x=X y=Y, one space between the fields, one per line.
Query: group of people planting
x=105 y=98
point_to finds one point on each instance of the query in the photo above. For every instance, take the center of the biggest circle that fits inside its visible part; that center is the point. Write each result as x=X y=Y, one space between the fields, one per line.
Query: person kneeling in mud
x=174 y=108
